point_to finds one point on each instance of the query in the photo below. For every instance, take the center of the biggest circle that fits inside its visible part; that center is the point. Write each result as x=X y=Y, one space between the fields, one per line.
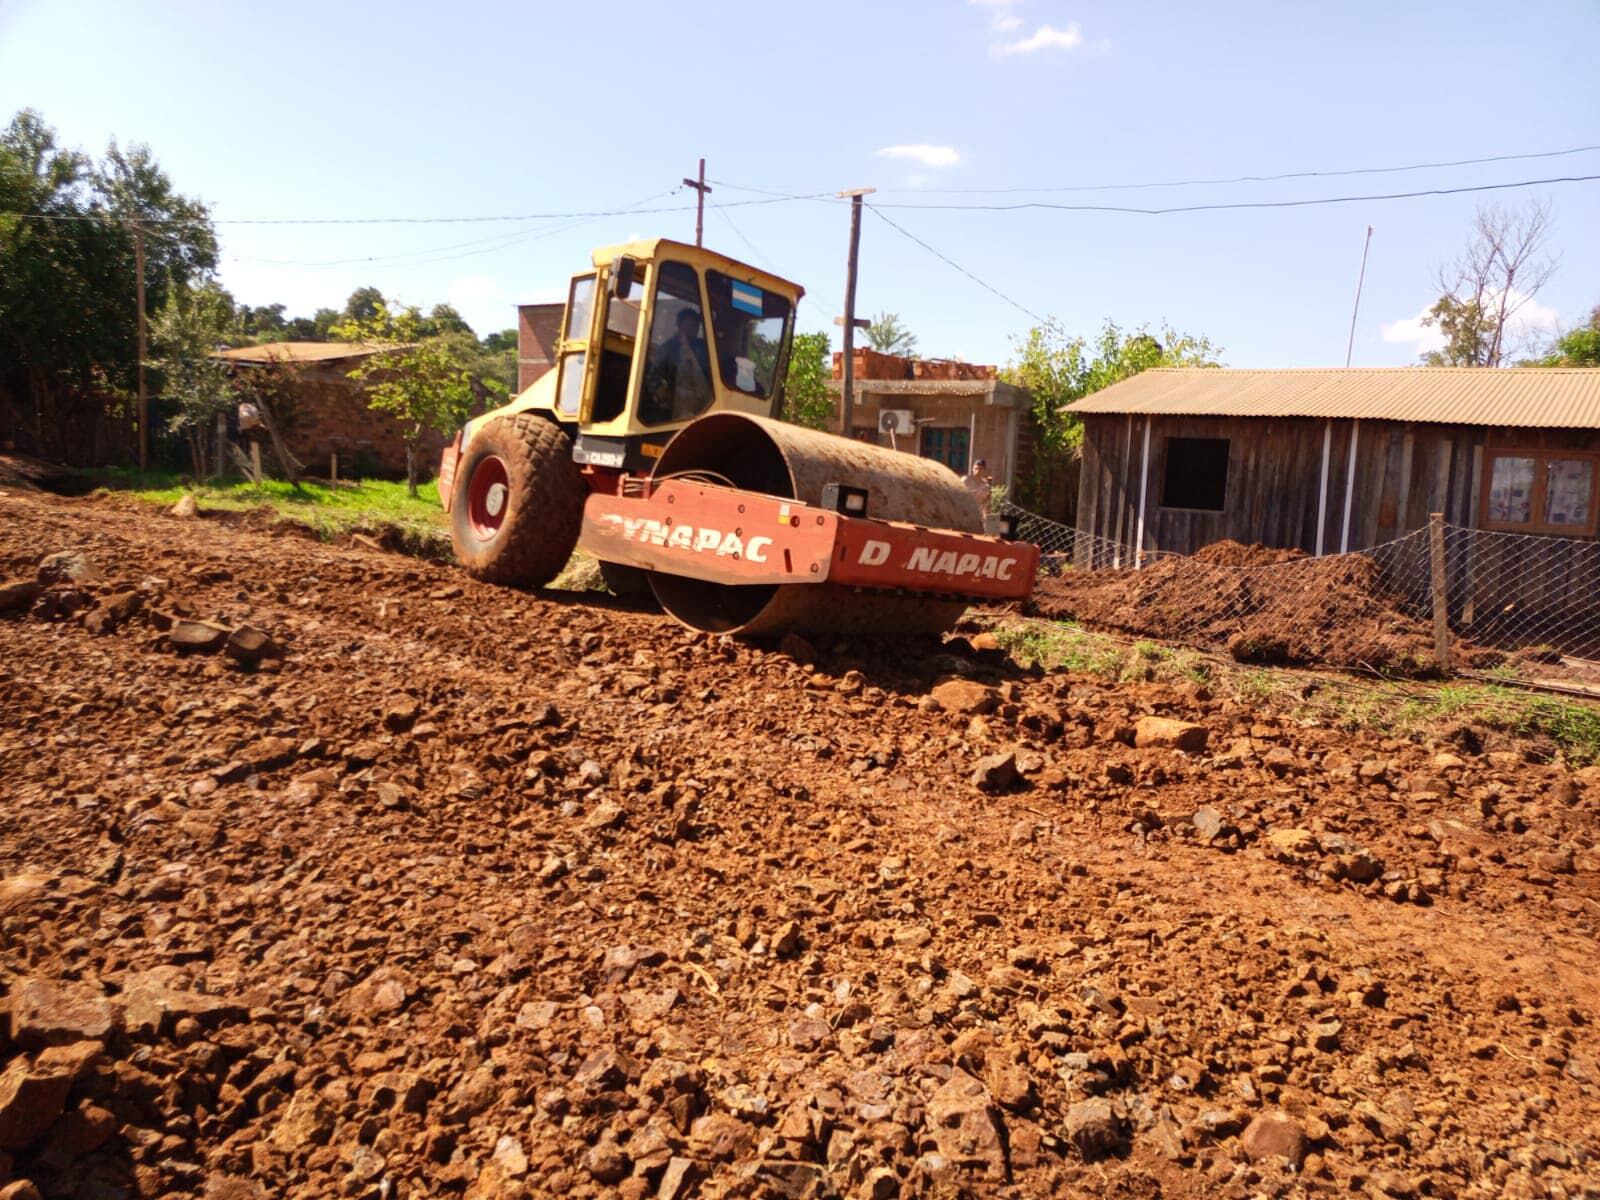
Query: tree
x=1058 y=369
x=499 y=341
x=363 y=306
x=265 y=323
x=806 y=399
x=424 y=382
x=322 y=323
x=185 y=336
x=1578 y=347
x=68 y=315
x=496 y=359
x=887 y=335
x=180 y=243
x=445 y=319
x=1500 y=271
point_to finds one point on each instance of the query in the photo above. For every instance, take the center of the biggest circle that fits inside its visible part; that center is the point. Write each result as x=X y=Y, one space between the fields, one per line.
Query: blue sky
x=342 y=110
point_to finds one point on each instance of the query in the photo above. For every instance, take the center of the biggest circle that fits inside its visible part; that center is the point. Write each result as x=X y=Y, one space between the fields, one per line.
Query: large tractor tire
x=518 y=502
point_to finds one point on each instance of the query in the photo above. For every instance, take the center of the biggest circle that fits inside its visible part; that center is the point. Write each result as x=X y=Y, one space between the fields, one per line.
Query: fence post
x=1441 y=595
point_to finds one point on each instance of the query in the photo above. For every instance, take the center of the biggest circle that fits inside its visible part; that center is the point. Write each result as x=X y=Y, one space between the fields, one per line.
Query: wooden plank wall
x=1404 y=471
x=1504 y=589
x=1518 y=590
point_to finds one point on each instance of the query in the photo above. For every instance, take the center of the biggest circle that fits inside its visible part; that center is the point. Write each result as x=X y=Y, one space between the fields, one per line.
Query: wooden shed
x=1331 y=460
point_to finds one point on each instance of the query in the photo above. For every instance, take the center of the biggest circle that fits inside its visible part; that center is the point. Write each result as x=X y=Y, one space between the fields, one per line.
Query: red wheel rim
x=488 y=497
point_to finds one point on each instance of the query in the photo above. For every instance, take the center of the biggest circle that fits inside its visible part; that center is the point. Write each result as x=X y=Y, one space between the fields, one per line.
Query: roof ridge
x=1525 y=397
x=1416 y=370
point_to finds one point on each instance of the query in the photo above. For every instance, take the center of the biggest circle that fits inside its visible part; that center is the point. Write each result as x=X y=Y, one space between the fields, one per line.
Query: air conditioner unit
x=899 y=421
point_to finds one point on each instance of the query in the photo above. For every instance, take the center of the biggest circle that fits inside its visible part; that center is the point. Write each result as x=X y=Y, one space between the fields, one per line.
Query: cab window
x=677 y=380
x=616 y=357
x=748 y=323
x=580 y=306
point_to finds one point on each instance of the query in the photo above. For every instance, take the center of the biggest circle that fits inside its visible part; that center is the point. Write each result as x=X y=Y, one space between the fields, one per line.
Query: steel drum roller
x=794 y=463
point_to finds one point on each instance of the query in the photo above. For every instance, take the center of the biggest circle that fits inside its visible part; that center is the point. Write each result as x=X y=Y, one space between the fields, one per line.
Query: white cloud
x=1410 y=331
x=1530 y=322
x=1533 y=319
x=1046 y=37
x=1003 y=21
x=928 y=156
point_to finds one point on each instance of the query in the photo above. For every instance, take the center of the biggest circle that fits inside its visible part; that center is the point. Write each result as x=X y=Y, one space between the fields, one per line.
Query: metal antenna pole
x=699 y=185
x=847 y=396
x=1359 y=282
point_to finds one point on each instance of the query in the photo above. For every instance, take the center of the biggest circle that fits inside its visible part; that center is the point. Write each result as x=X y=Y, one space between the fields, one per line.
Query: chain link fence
x=1443 y=597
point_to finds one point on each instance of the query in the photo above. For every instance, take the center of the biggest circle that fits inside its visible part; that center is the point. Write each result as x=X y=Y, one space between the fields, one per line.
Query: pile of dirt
x=1260 y=604
x=1241 y=557
x=477 y=893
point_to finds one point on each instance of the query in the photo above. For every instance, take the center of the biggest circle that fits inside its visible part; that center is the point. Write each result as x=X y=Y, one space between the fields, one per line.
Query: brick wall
x=538 y=329
x=870 y=364
x=326 y=413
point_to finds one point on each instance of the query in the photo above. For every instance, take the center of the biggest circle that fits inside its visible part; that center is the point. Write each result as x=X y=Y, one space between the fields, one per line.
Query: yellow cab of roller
x=657 y=334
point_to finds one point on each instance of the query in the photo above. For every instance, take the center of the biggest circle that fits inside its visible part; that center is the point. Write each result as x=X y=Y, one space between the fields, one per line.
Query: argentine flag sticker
x=747 y=298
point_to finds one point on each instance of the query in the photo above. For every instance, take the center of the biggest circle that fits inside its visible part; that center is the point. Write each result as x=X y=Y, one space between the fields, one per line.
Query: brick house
x=538 y=330
x=953 y=412
x=322 y=411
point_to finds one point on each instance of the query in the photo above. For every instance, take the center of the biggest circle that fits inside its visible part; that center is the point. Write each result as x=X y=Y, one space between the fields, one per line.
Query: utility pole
x=847 y=397
x=1360 y=281
x=699 y=185
x=144 y=399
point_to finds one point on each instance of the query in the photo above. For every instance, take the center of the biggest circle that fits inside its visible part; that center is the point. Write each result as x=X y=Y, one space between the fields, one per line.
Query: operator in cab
x=678 y=383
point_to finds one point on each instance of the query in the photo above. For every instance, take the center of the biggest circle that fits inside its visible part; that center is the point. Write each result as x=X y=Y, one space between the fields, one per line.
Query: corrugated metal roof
x=1508 y=397
x=277 y=352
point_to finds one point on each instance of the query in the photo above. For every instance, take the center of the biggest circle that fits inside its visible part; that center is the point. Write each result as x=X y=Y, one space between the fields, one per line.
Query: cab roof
x=650 y=249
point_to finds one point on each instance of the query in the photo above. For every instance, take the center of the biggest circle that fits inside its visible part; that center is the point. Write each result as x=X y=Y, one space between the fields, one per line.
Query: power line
x=1242 y=204
x=731 y=225
x=498 y=241
x=1174 y=183
x=951 y=262
x=559 y=216
x=782 y=197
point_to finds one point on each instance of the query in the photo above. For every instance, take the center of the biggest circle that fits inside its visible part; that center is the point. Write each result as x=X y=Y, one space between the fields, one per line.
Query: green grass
x=1573 y=726
x=1067 y=647
x=368 y=504
x=1255 y=686
x=1402 y=710
x=1064 y=647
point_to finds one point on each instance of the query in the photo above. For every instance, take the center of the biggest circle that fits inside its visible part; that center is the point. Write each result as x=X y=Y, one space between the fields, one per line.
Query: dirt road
x=461 y=890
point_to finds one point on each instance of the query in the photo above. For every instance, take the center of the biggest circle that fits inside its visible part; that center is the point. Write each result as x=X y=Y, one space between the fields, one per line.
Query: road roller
x=655 y=445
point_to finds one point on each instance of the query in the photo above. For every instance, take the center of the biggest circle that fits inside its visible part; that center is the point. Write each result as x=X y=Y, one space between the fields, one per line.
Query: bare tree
x=1500 y=271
